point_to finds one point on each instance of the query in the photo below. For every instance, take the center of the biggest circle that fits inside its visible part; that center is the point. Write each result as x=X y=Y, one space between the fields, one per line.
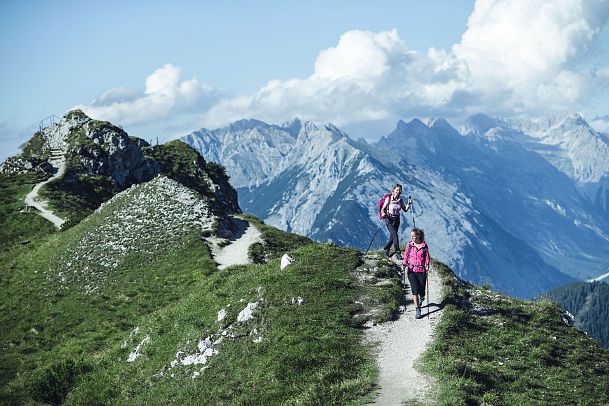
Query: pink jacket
x=416 y=259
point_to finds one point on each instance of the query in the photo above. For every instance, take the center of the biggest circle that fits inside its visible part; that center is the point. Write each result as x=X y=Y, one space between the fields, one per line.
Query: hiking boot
x=399 y=256
x=417 y=313
x=387 y=254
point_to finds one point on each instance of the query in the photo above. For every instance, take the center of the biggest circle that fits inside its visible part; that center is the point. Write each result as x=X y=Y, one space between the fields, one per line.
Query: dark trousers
x=393 y=224
x=417 y=282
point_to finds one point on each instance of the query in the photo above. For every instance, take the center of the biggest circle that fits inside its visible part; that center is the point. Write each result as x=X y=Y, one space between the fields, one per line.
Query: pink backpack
x=381 y=203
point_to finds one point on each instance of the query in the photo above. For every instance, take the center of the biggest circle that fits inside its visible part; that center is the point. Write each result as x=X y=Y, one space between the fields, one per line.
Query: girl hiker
x=391 y=215
x=416 y=261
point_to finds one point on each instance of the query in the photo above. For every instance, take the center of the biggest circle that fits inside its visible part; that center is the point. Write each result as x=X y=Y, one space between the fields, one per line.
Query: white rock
x=247 y=313
x=285 y=261
x=204 y=344
x=136 y=353
x=297 y=300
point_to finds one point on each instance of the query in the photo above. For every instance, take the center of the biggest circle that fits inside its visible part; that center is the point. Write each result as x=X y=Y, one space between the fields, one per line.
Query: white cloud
x=165 y=94
x=116 y=95
x=531 y=48
x=365 y=77
x=360 y=57
x=515 y=56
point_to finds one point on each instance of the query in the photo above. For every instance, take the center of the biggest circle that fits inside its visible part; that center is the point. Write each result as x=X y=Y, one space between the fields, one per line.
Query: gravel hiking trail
x=32 y=198
x=397 y=346
x=235 y=253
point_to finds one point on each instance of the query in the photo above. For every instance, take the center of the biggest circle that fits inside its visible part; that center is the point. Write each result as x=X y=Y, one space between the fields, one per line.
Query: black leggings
x=417 y=282
x=393 y=224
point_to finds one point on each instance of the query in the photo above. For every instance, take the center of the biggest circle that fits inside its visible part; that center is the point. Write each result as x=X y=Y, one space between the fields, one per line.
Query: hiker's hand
x=409 y=200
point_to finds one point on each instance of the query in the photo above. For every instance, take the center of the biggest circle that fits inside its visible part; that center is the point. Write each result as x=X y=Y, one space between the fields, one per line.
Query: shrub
x=56 y=381
x=256 y=253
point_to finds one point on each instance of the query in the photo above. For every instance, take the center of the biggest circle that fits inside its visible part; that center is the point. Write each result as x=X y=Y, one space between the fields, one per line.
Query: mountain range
x=520 y=205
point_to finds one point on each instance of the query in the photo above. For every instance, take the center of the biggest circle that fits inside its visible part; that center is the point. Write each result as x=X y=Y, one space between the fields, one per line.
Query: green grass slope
x=495 y=350
x=122 y=309
x=17 y=225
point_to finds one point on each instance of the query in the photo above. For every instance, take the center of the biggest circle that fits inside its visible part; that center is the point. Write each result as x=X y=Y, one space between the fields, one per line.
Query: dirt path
x=236 y=252
x=399 y=344
x=32 y=198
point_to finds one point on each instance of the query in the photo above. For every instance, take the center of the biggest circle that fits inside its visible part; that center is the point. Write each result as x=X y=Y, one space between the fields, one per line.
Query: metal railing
x=47 y=122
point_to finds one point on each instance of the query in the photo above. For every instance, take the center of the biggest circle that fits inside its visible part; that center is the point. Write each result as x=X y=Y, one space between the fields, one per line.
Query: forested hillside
x=589 y=304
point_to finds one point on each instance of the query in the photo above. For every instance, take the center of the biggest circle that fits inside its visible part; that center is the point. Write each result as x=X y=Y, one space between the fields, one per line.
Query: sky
x=163 y=69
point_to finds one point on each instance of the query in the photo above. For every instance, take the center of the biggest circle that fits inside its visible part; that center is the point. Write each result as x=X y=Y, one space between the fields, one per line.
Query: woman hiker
x=391 y=215
x=416 y=261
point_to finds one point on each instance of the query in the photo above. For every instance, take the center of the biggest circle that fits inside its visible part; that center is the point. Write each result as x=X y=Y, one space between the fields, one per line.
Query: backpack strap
x=425 y=254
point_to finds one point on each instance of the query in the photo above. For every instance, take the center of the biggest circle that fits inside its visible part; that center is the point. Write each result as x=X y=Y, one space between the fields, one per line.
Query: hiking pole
x=414 y=224
x=427 y=286
x=377 y=230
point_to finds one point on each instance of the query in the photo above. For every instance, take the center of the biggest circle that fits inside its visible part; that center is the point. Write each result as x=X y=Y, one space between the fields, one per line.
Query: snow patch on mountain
x=556 y=207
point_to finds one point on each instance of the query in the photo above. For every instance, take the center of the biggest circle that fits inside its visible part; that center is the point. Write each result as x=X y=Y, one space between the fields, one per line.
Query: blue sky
x=167 y=68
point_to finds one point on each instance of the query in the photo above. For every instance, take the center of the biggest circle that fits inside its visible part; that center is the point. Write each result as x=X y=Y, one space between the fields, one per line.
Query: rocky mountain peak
x=441 y=123
x=574 y=120
x=416 y=126
x=293 y=127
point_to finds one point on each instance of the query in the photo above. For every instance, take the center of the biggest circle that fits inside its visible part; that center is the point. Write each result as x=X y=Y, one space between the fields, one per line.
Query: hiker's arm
x=405 y=208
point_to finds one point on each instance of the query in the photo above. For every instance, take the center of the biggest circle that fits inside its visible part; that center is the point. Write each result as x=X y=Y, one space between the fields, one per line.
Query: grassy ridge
x=62 y=344
x=493 y=349
x=308 y=353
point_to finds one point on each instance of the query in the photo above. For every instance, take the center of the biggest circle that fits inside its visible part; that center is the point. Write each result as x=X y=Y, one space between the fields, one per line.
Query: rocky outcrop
x=89 y=147
x=101 y=159
x=100 y=148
